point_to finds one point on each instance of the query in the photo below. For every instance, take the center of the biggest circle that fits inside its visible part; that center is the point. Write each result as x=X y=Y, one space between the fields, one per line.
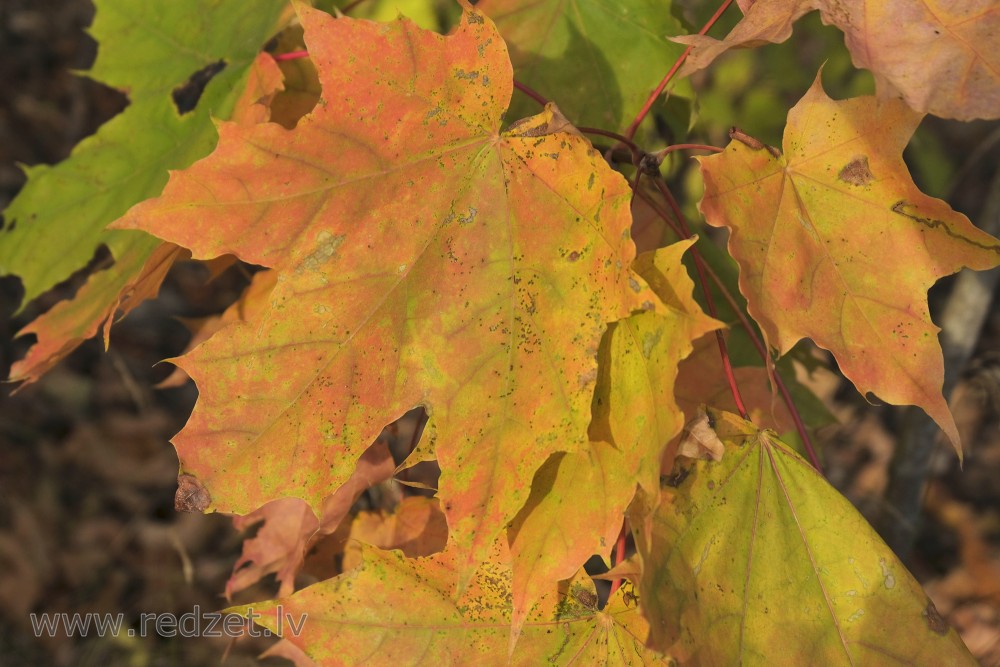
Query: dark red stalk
x=612 y=135
x=291 y=55
x=630 y=132
x=754 y=338
x=530 y=92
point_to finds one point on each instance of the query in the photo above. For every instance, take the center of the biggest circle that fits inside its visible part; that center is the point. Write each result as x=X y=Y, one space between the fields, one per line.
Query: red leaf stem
x=754 y=338
x=530 y=92
x=630 y=132
x=291 y=55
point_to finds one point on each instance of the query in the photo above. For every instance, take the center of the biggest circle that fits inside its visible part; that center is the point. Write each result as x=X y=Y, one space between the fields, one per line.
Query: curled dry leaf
x=699 y=439
x=191 y=495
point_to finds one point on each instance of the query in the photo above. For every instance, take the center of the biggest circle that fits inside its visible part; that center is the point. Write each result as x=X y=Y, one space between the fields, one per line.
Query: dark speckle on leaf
x=187 y=94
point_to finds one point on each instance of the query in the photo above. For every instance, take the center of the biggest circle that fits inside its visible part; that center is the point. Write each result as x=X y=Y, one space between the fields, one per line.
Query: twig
x=630 y=132
x=758 y=344
x=530 y=92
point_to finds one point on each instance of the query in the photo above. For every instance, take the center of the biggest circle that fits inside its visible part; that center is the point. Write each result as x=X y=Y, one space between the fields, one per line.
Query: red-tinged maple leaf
x=254 y=298
x=423 y=258
x=702 y=381
x=764 y=21
x=941 y=57
x=416 y=527
x=835 y=243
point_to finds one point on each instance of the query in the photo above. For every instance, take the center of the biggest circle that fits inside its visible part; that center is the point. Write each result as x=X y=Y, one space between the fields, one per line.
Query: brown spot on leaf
x=191 y=496
x=326 y=249
x=935 y=621
x=856 y=172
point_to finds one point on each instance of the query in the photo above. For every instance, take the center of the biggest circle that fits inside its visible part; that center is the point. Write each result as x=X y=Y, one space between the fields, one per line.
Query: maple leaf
x=756 y=559
x=575 y=510
x=764 y=21
x=701 y=380
x=634 y=404
x=593 y=58
x=374 y=608
x=423 y=258
x=941 y=57
x=253 y=299
x=50 y=233
x=578 y=500
x=835 y=243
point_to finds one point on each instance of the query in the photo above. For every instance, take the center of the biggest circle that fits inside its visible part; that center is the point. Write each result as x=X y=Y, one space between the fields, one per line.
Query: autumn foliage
x=426 y=239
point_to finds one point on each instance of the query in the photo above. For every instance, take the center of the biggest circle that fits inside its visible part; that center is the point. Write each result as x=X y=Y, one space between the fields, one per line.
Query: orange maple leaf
x=836 y=243
x=423 y=258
